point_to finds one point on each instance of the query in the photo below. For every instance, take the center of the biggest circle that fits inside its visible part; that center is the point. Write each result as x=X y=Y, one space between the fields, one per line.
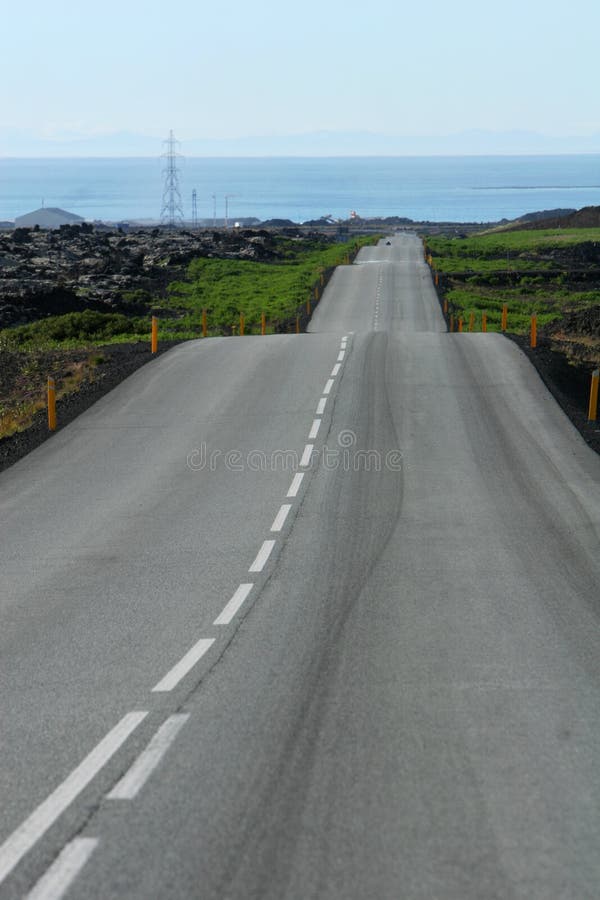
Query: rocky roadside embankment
x=75 y=268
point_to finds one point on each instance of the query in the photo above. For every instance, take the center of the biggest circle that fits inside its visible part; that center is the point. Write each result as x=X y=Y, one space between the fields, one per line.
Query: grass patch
x=530 y=271
x=224 y=287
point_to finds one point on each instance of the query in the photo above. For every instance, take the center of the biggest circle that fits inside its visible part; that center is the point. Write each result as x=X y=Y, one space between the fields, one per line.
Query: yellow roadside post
x=504 y=317
x=242 y=324
x=51 y=404
x=204 y=324
x=484 y=321
x=437 y=279
x=471 y=321
x=460 y=325
x=263 y=323
x=154 y=336
x=593 y=410
x=533 y=340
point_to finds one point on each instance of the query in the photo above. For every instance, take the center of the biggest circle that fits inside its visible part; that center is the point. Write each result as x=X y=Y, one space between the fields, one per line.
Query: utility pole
x=171 y=213
x=194 y=209
x=227 y=199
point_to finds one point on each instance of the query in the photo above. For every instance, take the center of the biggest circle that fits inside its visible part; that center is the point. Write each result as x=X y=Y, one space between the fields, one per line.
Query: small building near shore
x=48 y=217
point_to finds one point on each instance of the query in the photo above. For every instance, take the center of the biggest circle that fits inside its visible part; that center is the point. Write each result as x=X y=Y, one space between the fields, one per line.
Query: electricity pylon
x=171 y=213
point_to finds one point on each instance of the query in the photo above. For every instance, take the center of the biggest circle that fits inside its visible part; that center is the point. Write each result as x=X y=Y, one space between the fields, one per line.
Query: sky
x=75 y=69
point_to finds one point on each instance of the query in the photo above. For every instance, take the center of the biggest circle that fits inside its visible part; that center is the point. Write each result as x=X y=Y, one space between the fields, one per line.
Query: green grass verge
x=485 y=271
x=224 y=287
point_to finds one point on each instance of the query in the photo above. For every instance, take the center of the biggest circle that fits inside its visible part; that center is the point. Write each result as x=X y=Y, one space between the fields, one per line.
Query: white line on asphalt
x=335 y=370
x=295 y=485
x=341 y=355
x=134 y=780
x=31 y=830
x=174 y=676
x=234 y=604
x=281 y=516
x=64 y=870
x=314 y=429
x=307 y=455
x=321 y=406
x=262 y=557
x=328 y=386
x=345 y=338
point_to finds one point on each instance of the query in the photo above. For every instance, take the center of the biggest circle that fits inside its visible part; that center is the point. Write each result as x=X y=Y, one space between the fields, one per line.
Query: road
x=307 y=616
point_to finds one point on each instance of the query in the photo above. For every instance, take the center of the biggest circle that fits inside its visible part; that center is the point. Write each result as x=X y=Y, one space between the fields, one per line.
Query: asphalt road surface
x=307 y=616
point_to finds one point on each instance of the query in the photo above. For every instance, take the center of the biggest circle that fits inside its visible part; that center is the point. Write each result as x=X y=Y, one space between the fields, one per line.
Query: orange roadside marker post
x=484 y=322
x=533 y=340
x=593 y=407
x=51 y=404
x=154 y=335
x=504 y=317
x=204 y=324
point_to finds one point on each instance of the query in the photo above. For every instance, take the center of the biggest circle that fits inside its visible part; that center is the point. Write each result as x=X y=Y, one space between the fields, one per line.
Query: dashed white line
x=295 y=485
x=281 y=516
x=307 y=455
x=134 y=780
x=321 y=406
x=314 y=429
x=23 y=839
x=234 y=604
x=64 y=870
x=328 y=386
x=335 y=370
x=174 y=676
x=262 y=557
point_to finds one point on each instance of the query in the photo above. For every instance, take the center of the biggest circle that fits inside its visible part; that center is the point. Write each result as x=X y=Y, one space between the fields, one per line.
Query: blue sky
x=233 y=69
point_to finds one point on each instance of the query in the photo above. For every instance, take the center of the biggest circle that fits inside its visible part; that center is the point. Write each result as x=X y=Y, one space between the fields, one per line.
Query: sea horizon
x=448 y=188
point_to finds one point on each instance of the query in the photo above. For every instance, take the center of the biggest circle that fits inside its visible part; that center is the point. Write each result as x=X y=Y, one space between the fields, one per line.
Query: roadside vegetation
x=548 y=272
x=68 y=347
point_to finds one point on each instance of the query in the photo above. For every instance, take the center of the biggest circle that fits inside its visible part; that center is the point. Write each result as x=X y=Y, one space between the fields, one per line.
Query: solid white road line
x=307 y=455
x=64 y=870
x=174 y=676
x=134 y=780
x=314 y=429
x=328 y=386
x=262 y=557
x=321 y=406
x=341 y=355
x=336 y=370
x=234 y=604
x=281 y=516
x=295 y=485
x=22 y=840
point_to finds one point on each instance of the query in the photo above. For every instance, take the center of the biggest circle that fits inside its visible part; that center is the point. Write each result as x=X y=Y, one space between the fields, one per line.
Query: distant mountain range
x=319 y=143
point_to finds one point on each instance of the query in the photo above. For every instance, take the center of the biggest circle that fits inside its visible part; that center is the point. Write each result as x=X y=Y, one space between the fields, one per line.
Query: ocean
x=452 y=189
